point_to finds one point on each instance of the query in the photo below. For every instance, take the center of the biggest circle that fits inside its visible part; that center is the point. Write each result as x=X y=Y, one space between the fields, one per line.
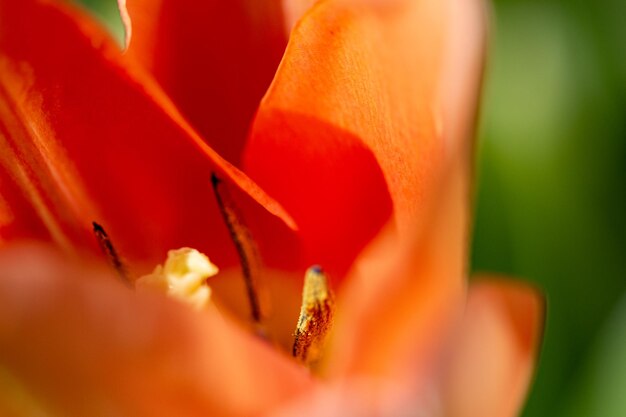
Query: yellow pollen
x=316 y=317
x=182 y=277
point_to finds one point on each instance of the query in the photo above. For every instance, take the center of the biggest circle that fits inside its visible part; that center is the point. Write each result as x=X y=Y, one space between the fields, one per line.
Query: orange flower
x=363 y=140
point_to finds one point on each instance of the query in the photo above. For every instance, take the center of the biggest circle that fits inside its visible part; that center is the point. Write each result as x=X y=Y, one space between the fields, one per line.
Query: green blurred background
x=551 y=200
x=551 y=194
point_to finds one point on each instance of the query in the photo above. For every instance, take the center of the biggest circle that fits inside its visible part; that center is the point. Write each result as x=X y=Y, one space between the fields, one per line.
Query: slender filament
x=246 y=248
x=111 y=253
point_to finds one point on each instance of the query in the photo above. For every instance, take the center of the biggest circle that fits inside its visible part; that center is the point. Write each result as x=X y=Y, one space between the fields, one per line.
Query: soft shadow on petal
x=79 y=344
x=328 y=179
x=86 y=135
x=495 y=355
x=215 y=59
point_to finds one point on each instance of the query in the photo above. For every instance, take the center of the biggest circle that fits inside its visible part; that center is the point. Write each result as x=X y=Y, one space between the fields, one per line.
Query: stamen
x=246 y=248
x=111 y=254
x=316 y=317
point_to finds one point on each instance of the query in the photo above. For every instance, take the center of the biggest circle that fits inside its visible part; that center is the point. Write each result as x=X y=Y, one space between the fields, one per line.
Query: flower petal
x=78 y=344
x=18 y=218
x=214 y=58
x=401 y=298
x=496 y=353
x=463 y=66
x=88 y=136
x=373 y=73
x=294 y=10
x=355 y=117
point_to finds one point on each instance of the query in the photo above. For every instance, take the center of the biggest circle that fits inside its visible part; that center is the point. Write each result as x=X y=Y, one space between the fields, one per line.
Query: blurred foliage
x=107 y=13
x=551 y=197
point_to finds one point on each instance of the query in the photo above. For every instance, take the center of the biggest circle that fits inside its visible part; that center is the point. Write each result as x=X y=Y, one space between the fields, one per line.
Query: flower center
x=184 y=273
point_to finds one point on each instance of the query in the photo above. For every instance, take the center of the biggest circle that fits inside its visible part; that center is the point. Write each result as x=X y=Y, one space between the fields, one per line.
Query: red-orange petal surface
x=214 y=58
x=86 y=135
x=399 y=300
x=350 y=133
x=361 y=117
x=73 y=342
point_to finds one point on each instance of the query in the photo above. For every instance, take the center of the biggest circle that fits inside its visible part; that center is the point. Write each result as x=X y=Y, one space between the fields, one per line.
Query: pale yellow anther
x=182 y=277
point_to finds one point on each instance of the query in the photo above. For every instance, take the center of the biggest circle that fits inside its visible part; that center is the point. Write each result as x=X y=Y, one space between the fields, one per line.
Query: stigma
x=183 y=277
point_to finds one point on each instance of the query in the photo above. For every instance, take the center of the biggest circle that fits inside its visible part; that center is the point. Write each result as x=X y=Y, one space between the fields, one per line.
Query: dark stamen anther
x=240 y=235
x=109 y=251
x=316 y=317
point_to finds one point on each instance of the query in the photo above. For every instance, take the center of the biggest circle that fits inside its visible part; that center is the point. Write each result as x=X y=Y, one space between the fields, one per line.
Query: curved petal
x=376 y=72
x=495 y=355
x=400 y=299
x=214 y=58
x=294 y=10
x=88 y=136
x=77 y=344
x=367 y=75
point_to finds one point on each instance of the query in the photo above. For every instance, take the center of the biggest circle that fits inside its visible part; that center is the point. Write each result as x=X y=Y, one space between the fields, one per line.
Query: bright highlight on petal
x=182 y=277
x=128 y=27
